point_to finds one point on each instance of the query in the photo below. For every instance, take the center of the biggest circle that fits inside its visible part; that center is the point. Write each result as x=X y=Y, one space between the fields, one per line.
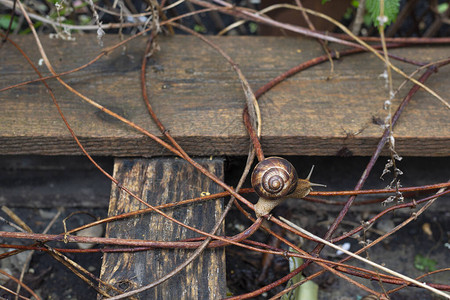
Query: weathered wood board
x=159 y=181
x=198 y=97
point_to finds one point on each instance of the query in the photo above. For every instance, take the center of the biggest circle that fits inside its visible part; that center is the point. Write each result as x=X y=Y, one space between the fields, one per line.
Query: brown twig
x=360 y=43
x=79 y=270
x=5 y=37
x=375 y=156
x=175 y=147
x=413 y=217
x=21 y=283
x=182 y=154
x=382 y=191
x=30 y=255
x=367 y=261
x=103 y=53
x=321 y=42
x=379 y=215
x=365 y=174
x=253 y=135
x=371 y=163
x=218 y=242
x=402 y=40
x=109 y=176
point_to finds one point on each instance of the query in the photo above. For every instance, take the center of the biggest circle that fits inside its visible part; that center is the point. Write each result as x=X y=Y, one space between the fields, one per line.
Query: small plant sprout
x=308 y=290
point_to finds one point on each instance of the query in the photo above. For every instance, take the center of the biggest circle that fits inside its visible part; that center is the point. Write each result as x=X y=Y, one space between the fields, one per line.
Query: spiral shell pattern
x=274 y=178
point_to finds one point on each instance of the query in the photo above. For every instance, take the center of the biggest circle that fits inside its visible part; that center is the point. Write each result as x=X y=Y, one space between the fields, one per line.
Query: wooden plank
x=199 y=99
x=158 y=181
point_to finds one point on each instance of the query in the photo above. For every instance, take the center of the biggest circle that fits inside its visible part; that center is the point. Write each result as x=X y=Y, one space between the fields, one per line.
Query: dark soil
x=396 y=252
x=244 y=269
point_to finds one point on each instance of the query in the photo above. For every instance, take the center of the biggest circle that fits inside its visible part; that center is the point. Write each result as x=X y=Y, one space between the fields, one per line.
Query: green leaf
x=423 y=263
x=199 y=28
x=253 y=27
x=391 y=8
x=308 y=290
x=28 y=30
x=367 y=20
x=442 y=8
x=84 y=19
x=4 y=22
x=325 y=1
x=348 y=13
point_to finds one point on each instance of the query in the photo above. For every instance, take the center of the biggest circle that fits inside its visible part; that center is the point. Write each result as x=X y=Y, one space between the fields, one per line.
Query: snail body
x=274 y=179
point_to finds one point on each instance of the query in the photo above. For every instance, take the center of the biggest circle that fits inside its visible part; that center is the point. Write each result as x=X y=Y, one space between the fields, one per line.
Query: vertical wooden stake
x=159 y=181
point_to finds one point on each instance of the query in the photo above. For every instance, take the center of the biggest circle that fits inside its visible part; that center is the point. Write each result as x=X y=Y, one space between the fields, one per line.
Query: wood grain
x=159 y=181
x=200 y=100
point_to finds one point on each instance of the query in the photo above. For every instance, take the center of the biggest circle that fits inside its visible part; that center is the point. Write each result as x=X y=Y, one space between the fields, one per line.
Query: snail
x=275 y=179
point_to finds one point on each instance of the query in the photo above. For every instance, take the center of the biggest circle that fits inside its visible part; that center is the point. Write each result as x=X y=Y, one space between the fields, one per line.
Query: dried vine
x=253 y=122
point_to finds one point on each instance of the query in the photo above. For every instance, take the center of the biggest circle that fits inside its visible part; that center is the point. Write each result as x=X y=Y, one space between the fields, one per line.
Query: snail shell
x=274 y=178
